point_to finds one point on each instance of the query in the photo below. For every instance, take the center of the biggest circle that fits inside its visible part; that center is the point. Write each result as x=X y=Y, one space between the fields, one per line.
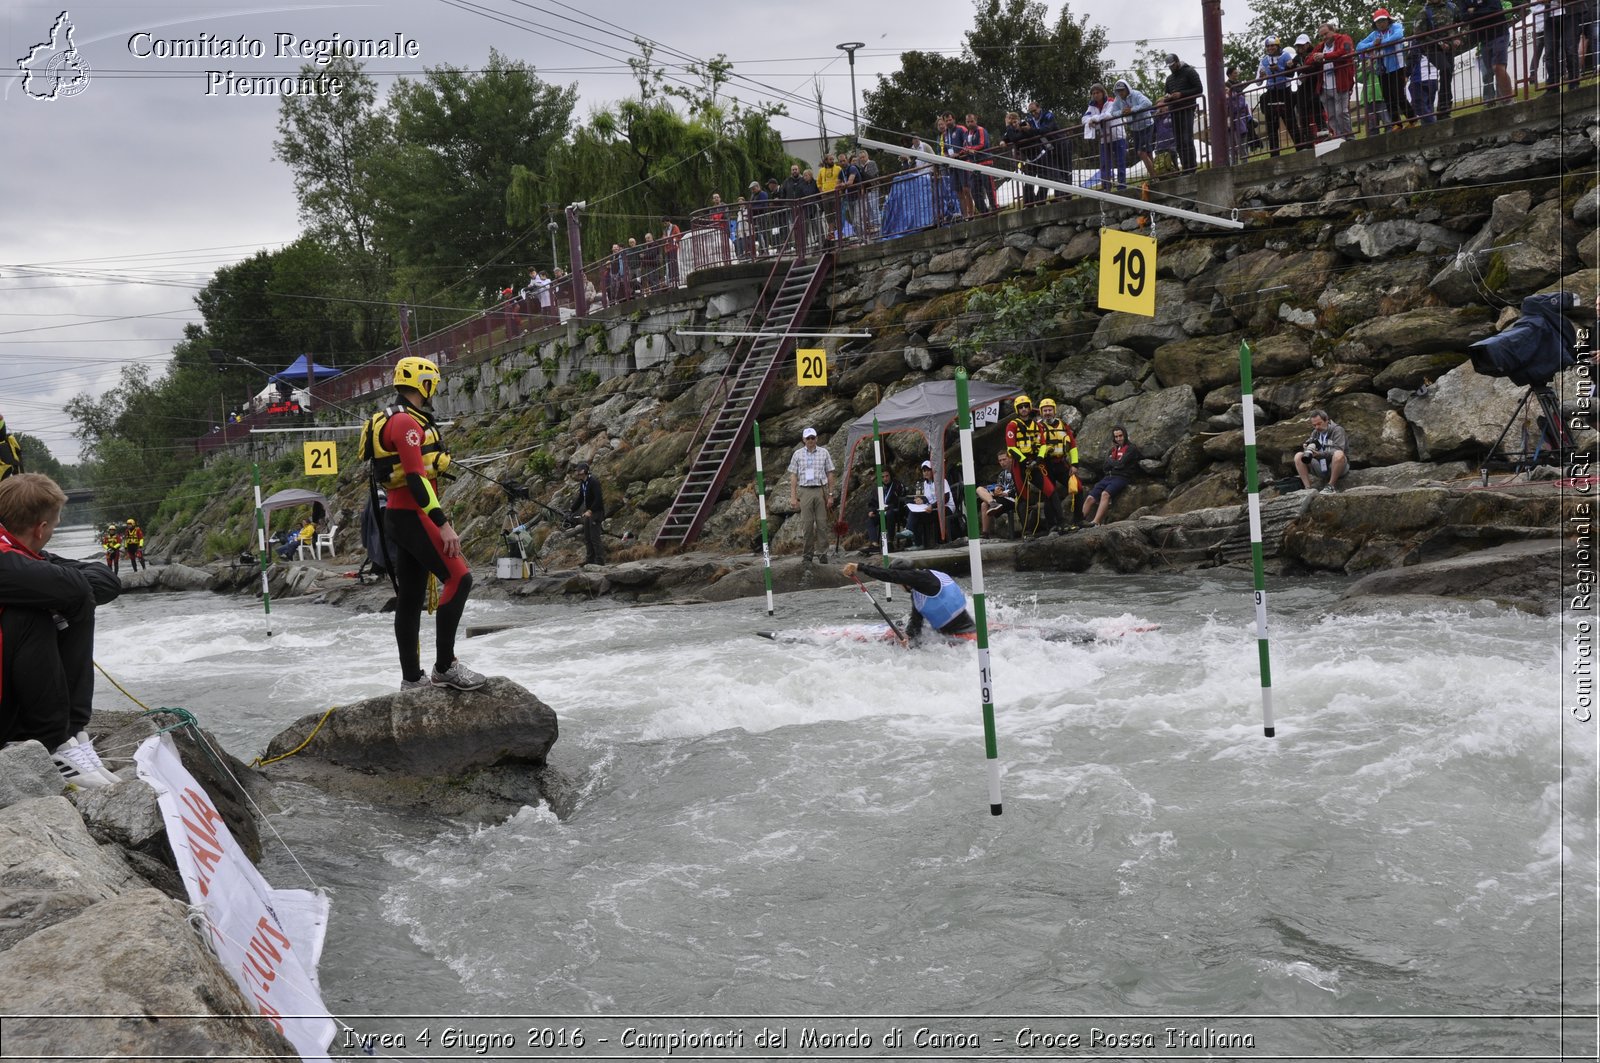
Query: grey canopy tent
x=289 y=498
x=929 y=409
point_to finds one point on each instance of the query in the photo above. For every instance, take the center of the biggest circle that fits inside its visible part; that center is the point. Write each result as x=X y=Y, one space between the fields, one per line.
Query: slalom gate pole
x=761 y=505
x=883 y=518
x=261 y=544
x=1253 y=500
x=980 y=613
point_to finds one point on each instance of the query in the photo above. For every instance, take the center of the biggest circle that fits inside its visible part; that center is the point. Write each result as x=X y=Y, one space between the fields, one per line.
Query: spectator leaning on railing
x=1139 y=114
x=1387 y=57
x=1277 y=102
x=1487 y=28
x=1435 y=28
x=1183 y=91
x=1335 y=62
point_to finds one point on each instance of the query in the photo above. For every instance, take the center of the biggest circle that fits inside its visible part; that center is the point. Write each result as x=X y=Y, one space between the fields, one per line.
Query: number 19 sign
x=1127 y=272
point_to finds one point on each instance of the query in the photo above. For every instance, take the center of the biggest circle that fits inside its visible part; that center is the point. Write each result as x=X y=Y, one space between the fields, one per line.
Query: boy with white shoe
x=47 y=606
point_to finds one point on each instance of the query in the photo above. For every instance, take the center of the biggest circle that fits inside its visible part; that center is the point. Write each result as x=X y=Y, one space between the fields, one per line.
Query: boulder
x=26 y=771
x=1188 y=261
x=1080 y=374
x=1362 y=292
x=996 y=266
x=1586 y=209
x=1144 y=334
x=955 y=260
x=149 y=964
x=1527 y=575
x=1462 y=277
x=651 y=351
x=1509 y=162
x=1311 y=388
x=51 y=868
x=892 y=278
x=1462 y=414
x=1411 y=372
x=1410 y=474
x=667 y=453
x=432 y=732
x=1381 y=339
x=1589 y=249
x=126 y=815
x=1155 y=420
x=1202 y=364
x=1535 y=254
x=1279 y=355
x=933 y=283
x=1223 y=487
x=1257 y=282
x=1396 y=177
x=1385 y=239
x=1377 y=434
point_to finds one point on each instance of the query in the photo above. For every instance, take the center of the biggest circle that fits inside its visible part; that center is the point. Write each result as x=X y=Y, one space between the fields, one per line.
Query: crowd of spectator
x=1321 y=84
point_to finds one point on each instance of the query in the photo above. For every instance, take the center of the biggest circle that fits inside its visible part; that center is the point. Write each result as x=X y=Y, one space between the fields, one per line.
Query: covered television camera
x=1536 y=347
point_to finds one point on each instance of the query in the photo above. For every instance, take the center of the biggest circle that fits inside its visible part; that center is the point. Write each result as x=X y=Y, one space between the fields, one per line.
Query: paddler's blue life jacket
x=939 y=609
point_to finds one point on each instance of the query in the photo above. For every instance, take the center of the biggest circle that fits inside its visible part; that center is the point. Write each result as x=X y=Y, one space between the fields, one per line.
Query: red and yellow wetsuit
x=408 y=458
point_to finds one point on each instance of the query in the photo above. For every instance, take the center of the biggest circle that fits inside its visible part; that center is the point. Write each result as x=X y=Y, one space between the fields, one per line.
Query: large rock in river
x=431 y=731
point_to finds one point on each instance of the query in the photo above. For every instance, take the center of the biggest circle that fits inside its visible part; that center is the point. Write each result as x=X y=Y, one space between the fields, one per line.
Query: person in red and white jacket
x=47 y=614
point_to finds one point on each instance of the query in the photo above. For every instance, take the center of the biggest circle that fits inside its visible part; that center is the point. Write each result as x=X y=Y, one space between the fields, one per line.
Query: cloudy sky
x=121 y=200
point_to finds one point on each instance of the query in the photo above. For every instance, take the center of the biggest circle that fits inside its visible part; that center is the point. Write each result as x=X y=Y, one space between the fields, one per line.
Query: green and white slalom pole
x=261 y=544
x=1253 y=500
x=761 y=505
x=883 y=518
x=979 y=611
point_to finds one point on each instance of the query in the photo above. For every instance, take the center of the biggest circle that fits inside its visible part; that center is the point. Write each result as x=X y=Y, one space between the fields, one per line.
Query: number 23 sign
x=1127 y=272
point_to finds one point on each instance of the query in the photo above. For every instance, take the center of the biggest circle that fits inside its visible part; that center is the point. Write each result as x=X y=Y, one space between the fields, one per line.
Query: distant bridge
x=79 y=494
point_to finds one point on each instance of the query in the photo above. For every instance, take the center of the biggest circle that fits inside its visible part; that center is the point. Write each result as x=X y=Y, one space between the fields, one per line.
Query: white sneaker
x=76 y=768
x=87 y=744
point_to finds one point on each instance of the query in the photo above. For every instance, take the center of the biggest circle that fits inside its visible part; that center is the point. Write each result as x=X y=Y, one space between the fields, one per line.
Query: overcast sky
x=120 y=201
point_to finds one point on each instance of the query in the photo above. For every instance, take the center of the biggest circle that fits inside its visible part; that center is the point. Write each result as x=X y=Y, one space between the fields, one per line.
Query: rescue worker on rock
x=1058 y=449
x=1022 y=441
x=407 y=457
x=111 y=543
x=133 y=544
x=10 y=452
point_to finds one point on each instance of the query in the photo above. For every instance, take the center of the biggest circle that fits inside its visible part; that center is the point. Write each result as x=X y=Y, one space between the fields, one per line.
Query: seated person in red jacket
x=47 y=606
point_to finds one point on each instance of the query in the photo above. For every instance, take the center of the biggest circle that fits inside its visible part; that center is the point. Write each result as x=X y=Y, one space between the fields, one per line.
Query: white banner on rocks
x=270 y=941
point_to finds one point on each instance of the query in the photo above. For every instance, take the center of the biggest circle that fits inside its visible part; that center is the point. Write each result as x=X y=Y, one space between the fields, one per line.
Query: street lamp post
x=849 y=48
x=555 y=259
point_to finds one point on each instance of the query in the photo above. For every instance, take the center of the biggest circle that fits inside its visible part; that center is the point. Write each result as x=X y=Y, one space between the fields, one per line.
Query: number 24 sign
x=1127 y=272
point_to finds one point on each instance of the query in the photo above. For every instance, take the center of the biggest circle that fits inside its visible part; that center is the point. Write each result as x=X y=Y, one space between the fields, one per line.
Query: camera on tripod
x=1530 y=352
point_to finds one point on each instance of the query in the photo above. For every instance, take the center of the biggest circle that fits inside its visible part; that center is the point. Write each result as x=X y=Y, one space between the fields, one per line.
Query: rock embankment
x=94 y=920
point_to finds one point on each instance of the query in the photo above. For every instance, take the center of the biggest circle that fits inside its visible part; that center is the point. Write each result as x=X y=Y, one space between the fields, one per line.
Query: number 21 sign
x=1127 y=272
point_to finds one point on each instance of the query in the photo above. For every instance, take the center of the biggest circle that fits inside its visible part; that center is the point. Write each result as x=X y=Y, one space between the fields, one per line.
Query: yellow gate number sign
x=1127 y=272
x=811 y=365
x=322 y=459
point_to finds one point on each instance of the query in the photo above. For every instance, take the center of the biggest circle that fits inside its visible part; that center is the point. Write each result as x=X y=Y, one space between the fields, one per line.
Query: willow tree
x=642 y=159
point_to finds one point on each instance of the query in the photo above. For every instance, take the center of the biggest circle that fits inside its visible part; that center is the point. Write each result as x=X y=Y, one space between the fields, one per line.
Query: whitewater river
x=771 y=830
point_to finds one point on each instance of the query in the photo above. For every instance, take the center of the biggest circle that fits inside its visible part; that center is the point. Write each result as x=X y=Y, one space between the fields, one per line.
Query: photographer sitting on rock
x=1323 y=454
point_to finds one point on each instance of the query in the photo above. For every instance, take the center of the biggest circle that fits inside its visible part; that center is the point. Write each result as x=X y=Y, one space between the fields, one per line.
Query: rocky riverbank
x=95 y=920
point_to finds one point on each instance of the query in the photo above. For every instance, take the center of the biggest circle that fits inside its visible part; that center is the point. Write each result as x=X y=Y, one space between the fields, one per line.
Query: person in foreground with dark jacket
x=1119 y=468
x=47 y=606
x=936 y=598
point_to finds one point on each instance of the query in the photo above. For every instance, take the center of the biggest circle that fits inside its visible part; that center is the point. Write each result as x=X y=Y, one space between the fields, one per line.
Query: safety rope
x=260 y=763
x=112 y=680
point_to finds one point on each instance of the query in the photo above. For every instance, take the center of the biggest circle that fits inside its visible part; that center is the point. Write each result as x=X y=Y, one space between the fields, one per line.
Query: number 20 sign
x=1127 y=272
x=811 y=367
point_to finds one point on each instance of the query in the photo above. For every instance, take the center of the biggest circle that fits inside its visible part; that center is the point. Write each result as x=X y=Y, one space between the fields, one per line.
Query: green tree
x=1012 y=54
x=1287 y=19
x=329 y=144
x=36 y=457
x=638 y=161
x=440 y=188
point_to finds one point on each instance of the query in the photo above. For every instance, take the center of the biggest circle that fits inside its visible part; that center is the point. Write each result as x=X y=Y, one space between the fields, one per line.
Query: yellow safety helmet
x=131 y=521
x=1021 y=400
x=1047 y=404
x=417 y=373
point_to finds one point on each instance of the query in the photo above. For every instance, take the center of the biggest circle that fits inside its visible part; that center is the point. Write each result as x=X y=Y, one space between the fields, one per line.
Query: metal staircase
x=745 y=386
